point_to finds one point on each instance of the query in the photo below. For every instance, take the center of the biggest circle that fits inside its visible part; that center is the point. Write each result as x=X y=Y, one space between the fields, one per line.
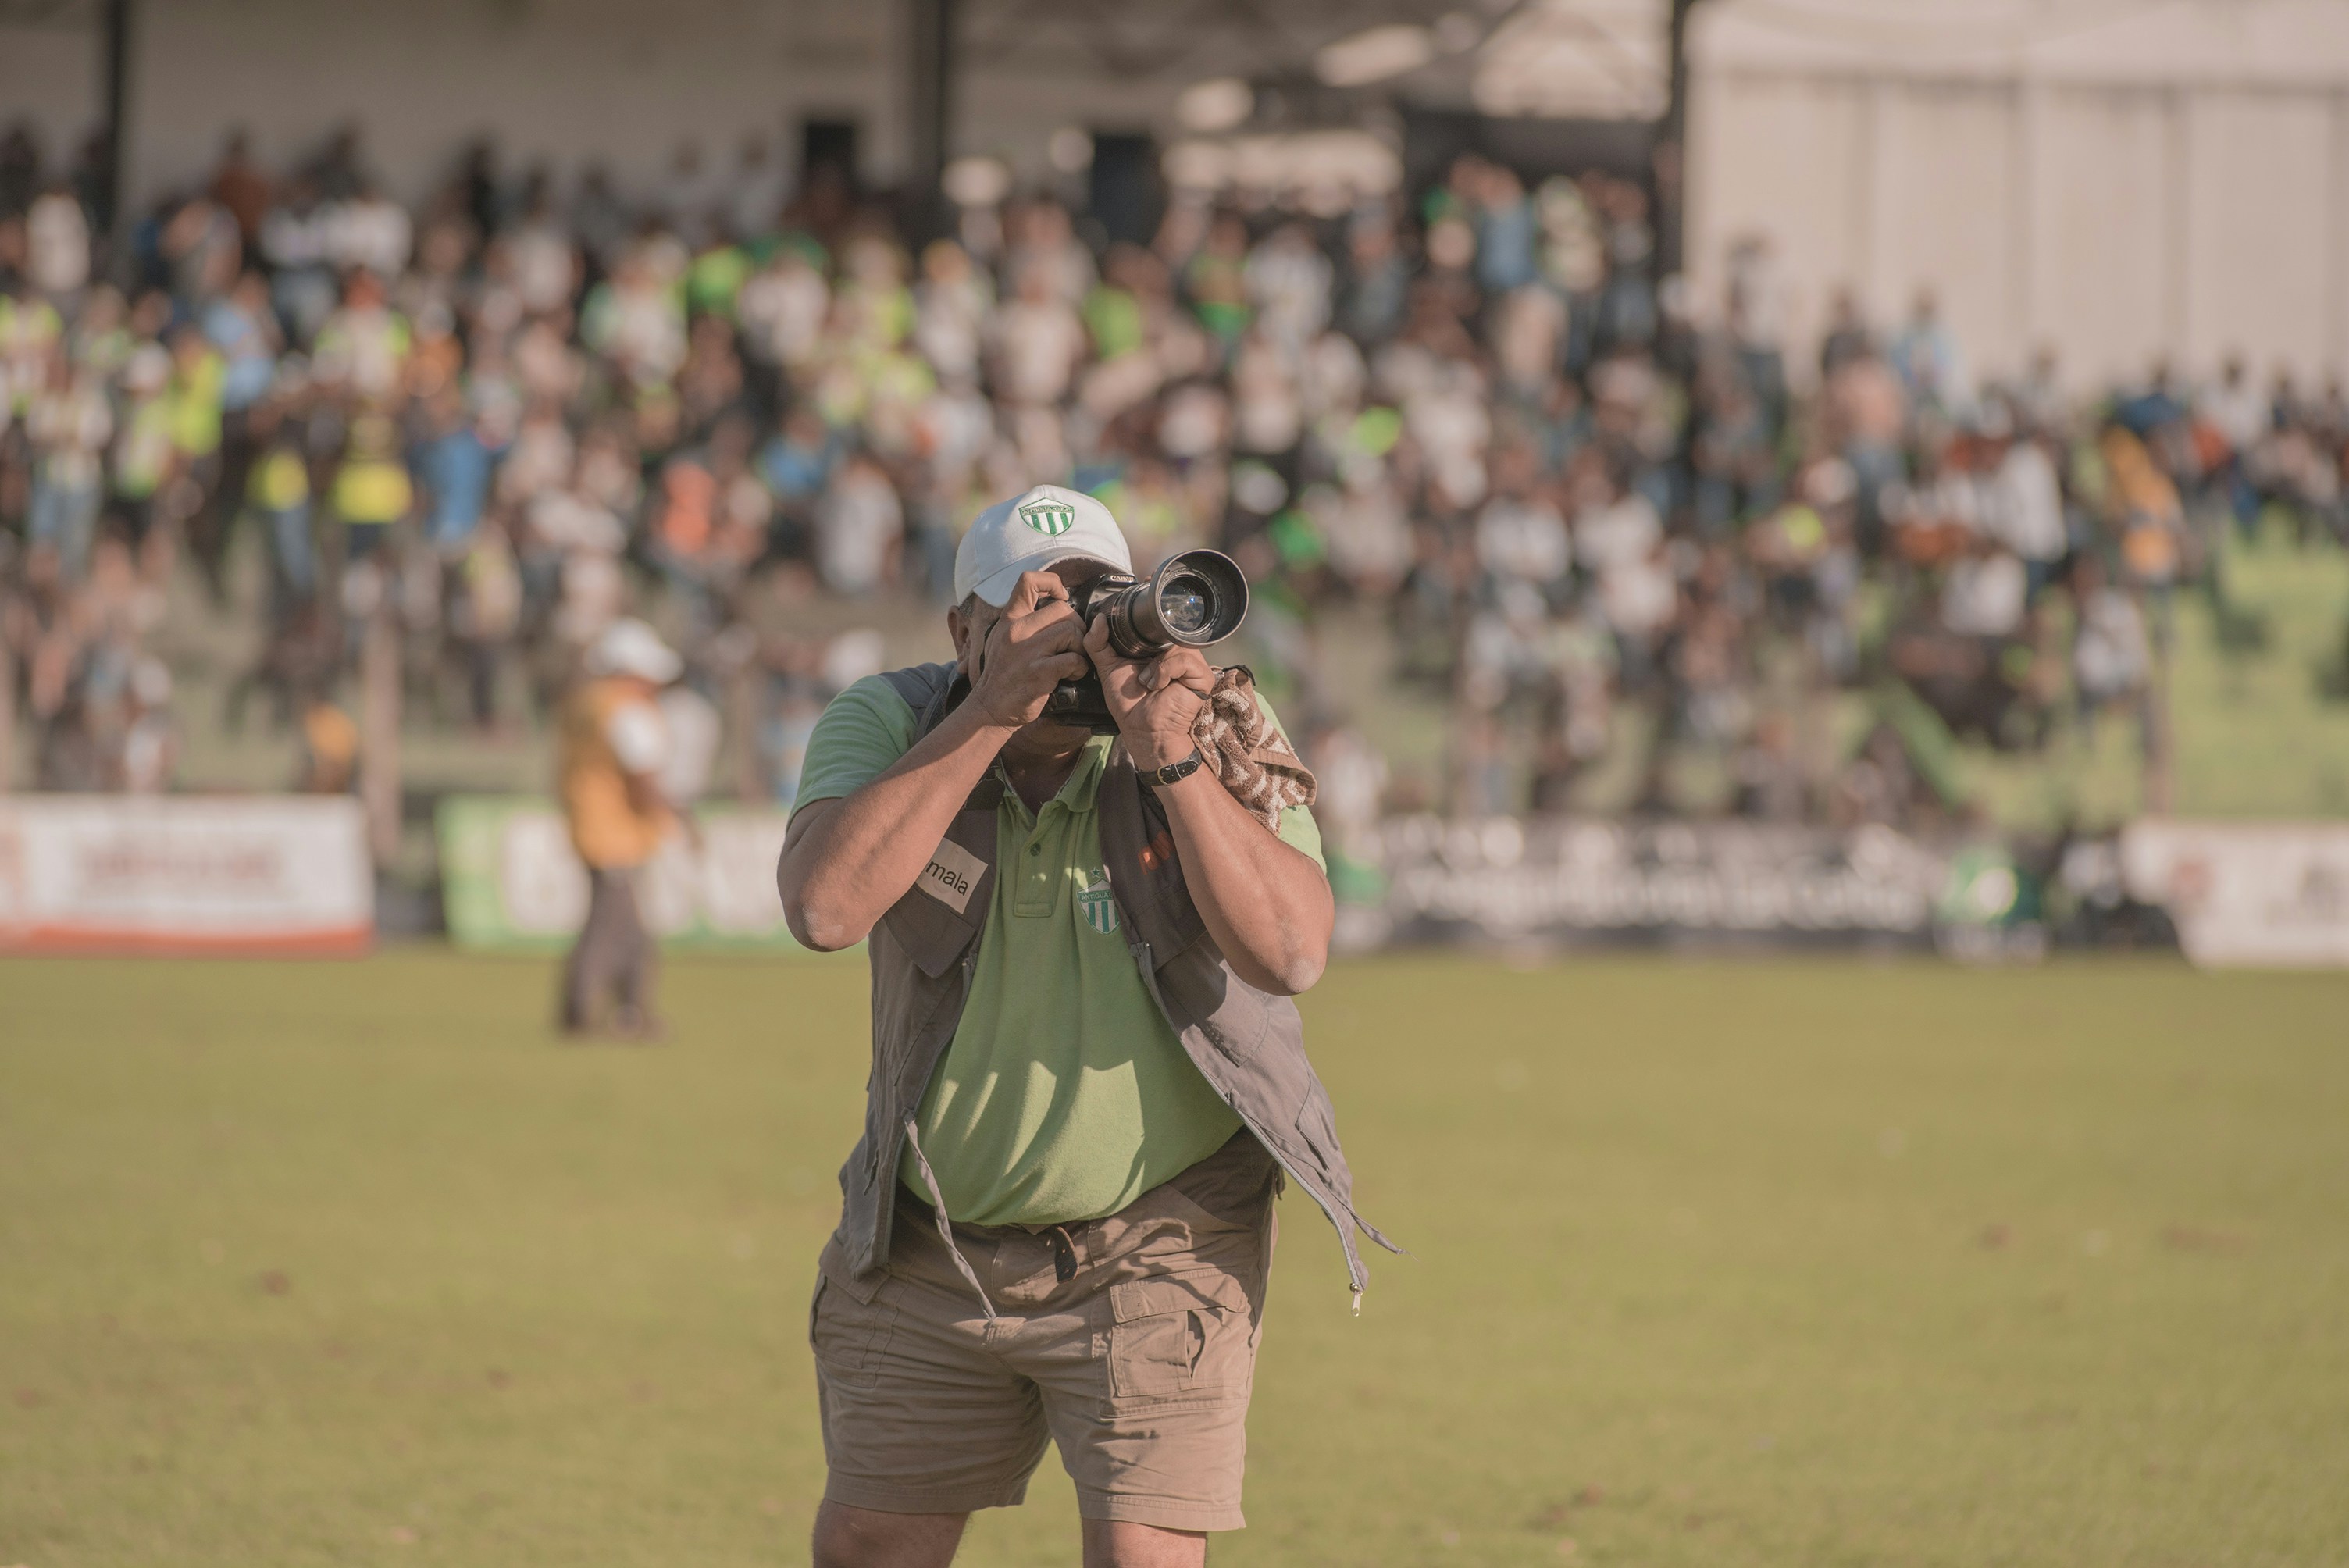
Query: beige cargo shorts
x=1130 y=1343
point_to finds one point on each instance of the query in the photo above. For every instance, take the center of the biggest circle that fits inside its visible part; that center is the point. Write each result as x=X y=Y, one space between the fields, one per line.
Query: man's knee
x=848 y=1537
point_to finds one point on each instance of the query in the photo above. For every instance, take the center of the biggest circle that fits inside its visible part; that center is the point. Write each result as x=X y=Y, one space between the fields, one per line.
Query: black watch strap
x=1173 y=772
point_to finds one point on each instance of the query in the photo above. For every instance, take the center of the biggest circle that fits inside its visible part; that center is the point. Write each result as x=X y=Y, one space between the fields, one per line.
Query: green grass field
x=1803 y=1263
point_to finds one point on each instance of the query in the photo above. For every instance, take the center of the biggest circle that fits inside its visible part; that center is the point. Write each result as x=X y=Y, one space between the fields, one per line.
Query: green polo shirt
x=1064 y=1095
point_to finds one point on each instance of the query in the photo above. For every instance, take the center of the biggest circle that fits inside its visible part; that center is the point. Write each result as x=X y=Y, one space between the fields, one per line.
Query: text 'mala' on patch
x=952 y=874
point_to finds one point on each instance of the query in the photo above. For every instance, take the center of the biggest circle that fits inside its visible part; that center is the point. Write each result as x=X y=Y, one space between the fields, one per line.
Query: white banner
x=184 y=874
x=2264 y=893
x=1502 y=879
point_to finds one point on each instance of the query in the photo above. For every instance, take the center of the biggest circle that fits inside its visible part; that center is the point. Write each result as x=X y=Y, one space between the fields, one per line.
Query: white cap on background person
x=1028 y=533
x=629 y=648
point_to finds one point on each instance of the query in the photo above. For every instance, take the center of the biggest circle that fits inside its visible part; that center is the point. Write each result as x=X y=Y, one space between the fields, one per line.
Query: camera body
x=1195 y=598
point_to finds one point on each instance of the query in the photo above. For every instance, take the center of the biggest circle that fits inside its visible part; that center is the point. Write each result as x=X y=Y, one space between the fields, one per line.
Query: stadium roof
x=1580 y=58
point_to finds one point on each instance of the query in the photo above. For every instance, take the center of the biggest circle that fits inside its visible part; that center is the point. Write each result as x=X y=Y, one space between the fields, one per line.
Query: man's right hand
x=1035 y=644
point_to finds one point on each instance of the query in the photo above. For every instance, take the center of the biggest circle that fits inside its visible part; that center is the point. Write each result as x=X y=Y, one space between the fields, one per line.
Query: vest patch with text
x=1100 y=905
x=952 y=875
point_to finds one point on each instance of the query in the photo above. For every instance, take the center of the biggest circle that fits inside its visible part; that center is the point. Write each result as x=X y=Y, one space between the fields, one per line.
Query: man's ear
x=966 y=630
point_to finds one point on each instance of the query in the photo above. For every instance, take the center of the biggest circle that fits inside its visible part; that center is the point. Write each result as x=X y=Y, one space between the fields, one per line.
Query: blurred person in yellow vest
x=371 y=487
x=615 y=745
x=277 y=492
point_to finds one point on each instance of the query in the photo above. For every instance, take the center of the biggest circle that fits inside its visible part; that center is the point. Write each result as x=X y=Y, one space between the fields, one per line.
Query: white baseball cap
x=629 y=648
x=1028 y=533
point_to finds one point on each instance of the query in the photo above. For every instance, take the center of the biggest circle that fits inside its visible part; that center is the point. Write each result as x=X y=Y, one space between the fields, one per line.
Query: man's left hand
x=1154 y=701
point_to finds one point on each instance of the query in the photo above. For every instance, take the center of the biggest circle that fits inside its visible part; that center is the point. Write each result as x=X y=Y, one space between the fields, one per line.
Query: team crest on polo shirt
x=1100 y=905
x=1053 y=517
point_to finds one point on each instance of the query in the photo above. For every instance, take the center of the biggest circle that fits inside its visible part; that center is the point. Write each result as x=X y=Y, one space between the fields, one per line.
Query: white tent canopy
x=2115 y=179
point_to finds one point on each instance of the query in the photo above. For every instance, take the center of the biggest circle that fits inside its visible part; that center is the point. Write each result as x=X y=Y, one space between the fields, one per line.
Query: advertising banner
x=125 y=874
x=2259 y=894
x=1504 y=880
x=510 y=881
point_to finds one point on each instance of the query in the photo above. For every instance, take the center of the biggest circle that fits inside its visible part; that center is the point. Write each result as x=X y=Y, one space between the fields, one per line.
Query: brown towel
x=1261 y=769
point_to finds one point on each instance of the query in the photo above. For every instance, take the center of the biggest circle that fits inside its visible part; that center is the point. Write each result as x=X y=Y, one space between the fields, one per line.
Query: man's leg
x=922 y=1422
x=1151 y=1417
x=848 y=1537
x=1117 y=1543
x=586 y=971
x=637 y=961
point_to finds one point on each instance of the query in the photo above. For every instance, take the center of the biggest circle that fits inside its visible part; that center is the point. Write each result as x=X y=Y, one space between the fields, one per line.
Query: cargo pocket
x=849 y=1337
x=1181 y=1336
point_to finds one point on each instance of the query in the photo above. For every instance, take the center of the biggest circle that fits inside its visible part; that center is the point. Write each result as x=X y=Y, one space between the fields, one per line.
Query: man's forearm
x=845 y=861
x=1267 y=905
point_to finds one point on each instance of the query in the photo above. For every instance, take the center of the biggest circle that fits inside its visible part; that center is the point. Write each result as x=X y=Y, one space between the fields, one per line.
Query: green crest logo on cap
x=1053 y=516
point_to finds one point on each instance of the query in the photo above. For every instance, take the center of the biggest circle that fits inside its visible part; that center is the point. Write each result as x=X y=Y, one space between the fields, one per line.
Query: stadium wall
x=565 y=81
x=49 y=76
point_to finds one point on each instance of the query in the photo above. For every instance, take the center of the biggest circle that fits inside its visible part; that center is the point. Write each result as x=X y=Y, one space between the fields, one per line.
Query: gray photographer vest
x=1248 y=1044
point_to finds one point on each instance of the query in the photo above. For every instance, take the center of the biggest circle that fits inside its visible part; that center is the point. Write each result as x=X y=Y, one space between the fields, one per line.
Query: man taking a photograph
x=1089 y=1081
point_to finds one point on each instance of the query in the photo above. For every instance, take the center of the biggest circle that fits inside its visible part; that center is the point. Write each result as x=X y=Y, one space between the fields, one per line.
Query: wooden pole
x=114 y=89
x=930 y=30
x=2160 y=751
x=742 y=719
x=379 y=729
x=1670 y=164
x=7 y=718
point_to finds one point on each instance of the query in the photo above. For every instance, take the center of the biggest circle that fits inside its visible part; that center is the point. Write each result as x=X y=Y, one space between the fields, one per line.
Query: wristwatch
x=1173 y=772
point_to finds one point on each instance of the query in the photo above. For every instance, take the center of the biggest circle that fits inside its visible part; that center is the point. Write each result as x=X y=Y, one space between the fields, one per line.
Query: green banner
x=511 y=883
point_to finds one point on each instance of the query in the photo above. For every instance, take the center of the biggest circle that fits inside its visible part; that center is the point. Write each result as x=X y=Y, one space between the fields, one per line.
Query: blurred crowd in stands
x=1598 y=516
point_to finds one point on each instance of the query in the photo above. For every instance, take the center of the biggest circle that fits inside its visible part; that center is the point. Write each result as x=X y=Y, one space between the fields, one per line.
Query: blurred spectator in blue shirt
x=455 y=465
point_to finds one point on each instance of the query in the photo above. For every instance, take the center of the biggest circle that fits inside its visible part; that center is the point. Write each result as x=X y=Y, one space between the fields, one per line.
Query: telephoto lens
x=1195 y=598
